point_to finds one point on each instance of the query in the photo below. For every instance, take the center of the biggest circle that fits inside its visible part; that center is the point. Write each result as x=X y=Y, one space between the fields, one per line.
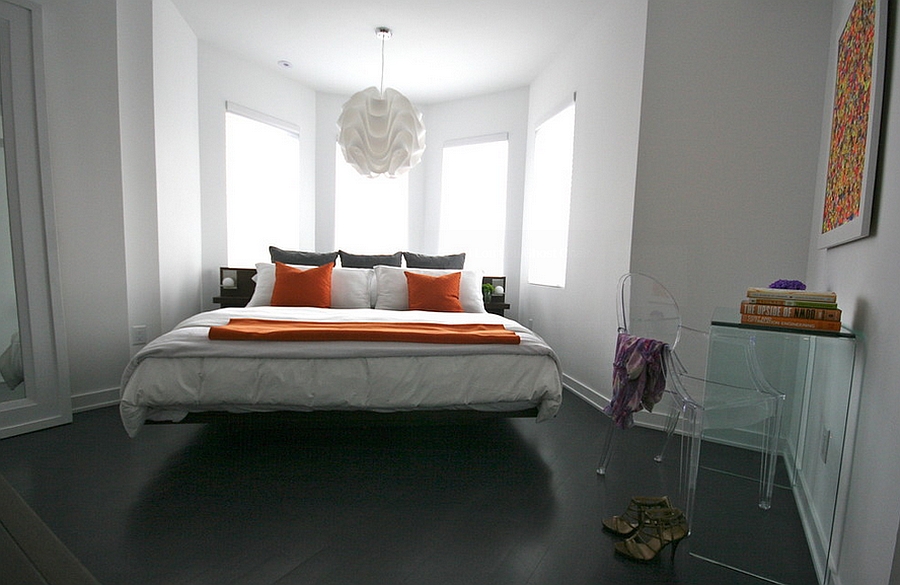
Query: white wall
x=224 y=77
x=729 y=144
x=176 y=123
x=82 y=101
x=604 y=66
x=328 y=109
x=138 y=151
x=504 y=112
x=865 y=274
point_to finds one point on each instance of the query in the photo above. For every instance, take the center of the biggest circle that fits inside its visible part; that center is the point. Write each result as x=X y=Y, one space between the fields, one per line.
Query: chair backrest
x=647 y=309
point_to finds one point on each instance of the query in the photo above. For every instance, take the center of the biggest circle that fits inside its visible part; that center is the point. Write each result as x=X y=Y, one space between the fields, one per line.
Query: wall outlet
x=139 y=335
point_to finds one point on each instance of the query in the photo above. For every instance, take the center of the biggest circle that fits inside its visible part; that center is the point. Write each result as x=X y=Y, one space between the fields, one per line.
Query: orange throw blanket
x=274 y=330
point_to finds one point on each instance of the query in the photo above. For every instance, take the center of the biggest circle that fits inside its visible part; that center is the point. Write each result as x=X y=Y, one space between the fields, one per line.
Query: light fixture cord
x=381 y=89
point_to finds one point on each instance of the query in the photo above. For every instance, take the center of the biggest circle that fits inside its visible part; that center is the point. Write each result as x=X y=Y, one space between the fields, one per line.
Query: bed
x=185 y=371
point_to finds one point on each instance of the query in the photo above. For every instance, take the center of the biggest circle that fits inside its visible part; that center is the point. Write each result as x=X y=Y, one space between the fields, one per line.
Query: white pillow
x=265 y=284
x=392 y=293
x=351 y=288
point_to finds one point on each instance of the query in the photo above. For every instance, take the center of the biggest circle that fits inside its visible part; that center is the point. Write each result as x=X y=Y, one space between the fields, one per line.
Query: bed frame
x=343 y=417
x=238 y=295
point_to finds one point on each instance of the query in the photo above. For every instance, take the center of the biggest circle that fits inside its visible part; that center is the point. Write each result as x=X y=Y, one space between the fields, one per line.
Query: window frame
x=284 y=126
x=475 y=141
x=533 y=276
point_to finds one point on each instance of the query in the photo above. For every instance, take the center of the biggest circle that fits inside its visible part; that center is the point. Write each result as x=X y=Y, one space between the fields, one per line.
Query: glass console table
x=815 y=372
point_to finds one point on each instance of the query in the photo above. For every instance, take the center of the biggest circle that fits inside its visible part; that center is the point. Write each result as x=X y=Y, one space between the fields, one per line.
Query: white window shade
x=371 y=215
x=262 y=188
x=548 y=200
x=473 y=202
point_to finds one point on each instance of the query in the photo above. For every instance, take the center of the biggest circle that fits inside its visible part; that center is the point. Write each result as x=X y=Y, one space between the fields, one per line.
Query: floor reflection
x=454 y=490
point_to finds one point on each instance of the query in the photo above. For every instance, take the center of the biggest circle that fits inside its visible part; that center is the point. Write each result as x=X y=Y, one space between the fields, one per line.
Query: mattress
x=183 y=371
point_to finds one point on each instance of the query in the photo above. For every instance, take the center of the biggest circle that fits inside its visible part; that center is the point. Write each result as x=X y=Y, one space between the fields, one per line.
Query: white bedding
x=183 y=371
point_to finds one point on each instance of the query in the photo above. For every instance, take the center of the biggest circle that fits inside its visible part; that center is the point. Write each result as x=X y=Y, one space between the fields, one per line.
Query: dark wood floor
x=492 y=502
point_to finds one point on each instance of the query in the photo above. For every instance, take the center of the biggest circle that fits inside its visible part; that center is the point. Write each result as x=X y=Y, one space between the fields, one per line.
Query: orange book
x=791 y=322
x=749 y=308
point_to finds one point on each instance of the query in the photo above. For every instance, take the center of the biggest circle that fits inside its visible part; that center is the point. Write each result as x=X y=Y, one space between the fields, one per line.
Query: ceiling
x=440 y=50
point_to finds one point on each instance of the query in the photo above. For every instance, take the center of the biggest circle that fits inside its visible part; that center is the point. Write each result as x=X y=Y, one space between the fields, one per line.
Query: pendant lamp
x=380 y=131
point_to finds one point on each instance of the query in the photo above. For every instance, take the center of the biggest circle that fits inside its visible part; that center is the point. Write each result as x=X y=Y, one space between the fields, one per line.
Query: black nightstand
x=236 y=286
x=497 y=303
x=226 y=302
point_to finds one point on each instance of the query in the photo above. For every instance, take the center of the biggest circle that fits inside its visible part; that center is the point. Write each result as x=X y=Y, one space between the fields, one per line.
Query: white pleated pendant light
x=380 y=131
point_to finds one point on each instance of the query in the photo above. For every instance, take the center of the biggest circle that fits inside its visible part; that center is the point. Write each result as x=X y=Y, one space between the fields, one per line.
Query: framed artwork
x=846 y=208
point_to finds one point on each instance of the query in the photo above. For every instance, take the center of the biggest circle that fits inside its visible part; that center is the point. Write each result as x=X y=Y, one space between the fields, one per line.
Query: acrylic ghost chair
x=645 y=308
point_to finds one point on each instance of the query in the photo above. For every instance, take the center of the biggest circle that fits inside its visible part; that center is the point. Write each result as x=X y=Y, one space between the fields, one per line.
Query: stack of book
x=793 y=309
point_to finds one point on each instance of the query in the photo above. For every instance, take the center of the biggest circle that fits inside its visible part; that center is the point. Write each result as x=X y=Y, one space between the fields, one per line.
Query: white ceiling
x=440 y=50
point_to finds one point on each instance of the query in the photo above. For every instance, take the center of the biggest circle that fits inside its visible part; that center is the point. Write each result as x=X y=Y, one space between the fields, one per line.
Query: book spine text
x=790 y=311
x=791 y=322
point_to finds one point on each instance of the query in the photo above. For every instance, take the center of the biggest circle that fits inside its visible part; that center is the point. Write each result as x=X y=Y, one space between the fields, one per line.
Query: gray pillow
x=369 y=261
x=450 y=261
x=301 y=258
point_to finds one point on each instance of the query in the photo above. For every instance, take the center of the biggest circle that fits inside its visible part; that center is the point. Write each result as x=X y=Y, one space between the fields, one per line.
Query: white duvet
x=184 y=371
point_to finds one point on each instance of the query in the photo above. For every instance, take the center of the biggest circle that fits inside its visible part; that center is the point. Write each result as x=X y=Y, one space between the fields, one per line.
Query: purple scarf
x=639 y=378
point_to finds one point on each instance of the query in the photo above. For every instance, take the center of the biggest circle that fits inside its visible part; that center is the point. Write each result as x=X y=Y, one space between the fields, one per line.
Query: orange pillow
x=434 y=293
x=302 y=288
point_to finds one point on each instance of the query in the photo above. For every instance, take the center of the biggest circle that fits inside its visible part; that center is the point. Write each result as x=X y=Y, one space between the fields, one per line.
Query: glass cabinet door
x=815 y=373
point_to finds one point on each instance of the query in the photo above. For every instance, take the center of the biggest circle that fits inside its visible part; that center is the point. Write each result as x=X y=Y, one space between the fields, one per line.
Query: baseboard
x=816 y=536
x=652 y=420
x=95 y=399
x=589 y=395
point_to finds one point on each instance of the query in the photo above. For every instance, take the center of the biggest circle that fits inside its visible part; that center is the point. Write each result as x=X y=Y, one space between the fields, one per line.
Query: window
x=262 y=186
x=473 y=202
x=547 y=204
x=371 y=215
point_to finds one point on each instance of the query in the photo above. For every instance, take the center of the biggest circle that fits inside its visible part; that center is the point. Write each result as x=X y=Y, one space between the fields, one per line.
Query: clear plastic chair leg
x=671 y=423
x=690 y=459
x=606 y=448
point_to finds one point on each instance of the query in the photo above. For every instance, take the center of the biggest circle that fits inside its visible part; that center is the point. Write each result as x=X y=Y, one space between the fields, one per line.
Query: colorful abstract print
x=850 y=120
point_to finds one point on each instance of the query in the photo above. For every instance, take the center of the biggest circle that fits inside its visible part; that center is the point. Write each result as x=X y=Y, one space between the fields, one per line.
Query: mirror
x=12 y=385
x=30 y=302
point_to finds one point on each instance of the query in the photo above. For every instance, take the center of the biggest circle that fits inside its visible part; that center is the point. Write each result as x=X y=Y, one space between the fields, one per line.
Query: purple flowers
x=788 y=284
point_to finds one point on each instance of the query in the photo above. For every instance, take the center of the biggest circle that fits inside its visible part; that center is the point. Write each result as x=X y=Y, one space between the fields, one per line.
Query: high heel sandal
x=628 y=523
x=659 y=528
